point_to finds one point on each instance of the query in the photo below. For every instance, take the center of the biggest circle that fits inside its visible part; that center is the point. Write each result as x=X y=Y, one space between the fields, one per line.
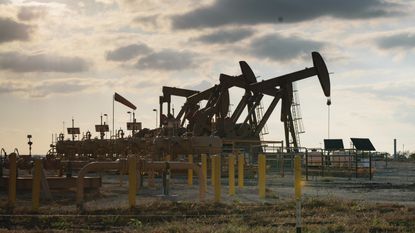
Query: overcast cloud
x=128 y=52
x=279 y=48
x=12 y=31
x=31 y=13
x=225 y=36
x=17 y=62
x=81 y=52
x=250 y=12
x=404 y=40
x=148 y=20
x=387 y=90
x=45 y=88
x=168 y=60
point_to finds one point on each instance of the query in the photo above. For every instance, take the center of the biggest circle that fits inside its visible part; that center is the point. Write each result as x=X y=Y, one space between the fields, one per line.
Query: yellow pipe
x=204 y=168
x=202 y=183
x=241 y=171
x=12 y=179
x=231 y=174
x=212 y=176
x=297 y=175
x=261 y=175
x=217 y=184
x=36 y=184
x=94 y=166
x=132 y=180
x=190 y=171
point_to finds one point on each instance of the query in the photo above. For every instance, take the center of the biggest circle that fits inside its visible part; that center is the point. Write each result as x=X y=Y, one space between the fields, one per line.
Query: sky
x=65 y=59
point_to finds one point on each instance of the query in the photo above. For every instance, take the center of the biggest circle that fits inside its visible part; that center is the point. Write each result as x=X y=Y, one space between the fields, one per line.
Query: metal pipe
x=93 y=167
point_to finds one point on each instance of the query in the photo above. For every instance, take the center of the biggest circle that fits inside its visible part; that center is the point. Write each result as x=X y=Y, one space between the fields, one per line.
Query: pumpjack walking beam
x=285 y=84
x=166 y=98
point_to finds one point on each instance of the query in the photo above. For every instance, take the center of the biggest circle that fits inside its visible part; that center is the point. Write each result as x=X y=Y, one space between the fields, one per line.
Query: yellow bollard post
x=241 y=171
x=190 y=171
x=261 y=175
x=217 y=184
x=36 y=184
x=132 y=180
x=231 y=174
x=12 y=179
x=297 y=190
x=202 y=184
x=204 y=169
x=297 y=171
x=212 y=170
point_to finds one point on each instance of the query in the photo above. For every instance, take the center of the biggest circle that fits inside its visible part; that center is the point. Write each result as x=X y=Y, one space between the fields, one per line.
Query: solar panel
x=363 y=144
x=333 y=144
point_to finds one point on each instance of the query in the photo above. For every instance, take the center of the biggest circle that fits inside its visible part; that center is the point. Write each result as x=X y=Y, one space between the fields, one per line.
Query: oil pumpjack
x=205 y=128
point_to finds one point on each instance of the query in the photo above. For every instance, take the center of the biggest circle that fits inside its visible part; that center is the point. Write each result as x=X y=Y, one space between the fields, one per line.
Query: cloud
x=168 y=60
x=147 y=20
x=11 y=30
x=250 y=12
x=89 y=7
x=200 y=86
x=18 y=62
x=397 y=90
x=225 y=36
x=278 y=48
x=399 y=94
x=10 y=87
x=128 y=52
x=405 y=40
x=31 y=13
x=45 y=88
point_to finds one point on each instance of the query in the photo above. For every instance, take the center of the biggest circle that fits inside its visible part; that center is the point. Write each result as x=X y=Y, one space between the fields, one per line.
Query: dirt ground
x=331 y=204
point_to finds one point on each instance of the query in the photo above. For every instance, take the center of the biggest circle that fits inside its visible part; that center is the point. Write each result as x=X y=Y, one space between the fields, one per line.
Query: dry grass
x=328 y=215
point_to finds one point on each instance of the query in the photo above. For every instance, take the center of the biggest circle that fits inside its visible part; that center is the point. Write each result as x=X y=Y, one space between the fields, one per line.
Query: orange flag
x=124 y=101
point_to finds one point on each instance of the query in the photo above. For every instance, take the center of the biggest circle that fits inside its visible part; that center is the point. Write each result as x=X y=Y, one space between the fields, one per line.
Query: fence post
x=132 y=180
x=12 y=179
x=241 y=170
x=231 y=174
x=151 y=182
x=297 y=189
x=204 y=169
x=190 y=171
x=166 y=179
x=370 y=166
x=36 y=184
x=261 y=175
x=306 y=164
x=216 y=186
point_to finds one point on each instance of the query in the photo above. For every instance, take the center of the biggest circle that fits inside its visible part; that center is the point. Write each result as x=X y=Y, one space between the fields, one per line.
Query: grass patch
x=319 y=215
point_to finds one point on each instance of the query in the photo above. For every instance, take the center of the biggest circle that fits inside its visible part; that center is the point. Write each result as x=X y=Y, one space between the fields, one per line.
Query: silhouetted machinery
x=204 y=123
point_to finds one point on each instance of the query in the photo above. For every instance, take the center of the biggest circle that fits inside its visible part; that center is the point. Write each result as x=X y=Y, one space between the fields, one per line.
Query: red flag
x=124 y=101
